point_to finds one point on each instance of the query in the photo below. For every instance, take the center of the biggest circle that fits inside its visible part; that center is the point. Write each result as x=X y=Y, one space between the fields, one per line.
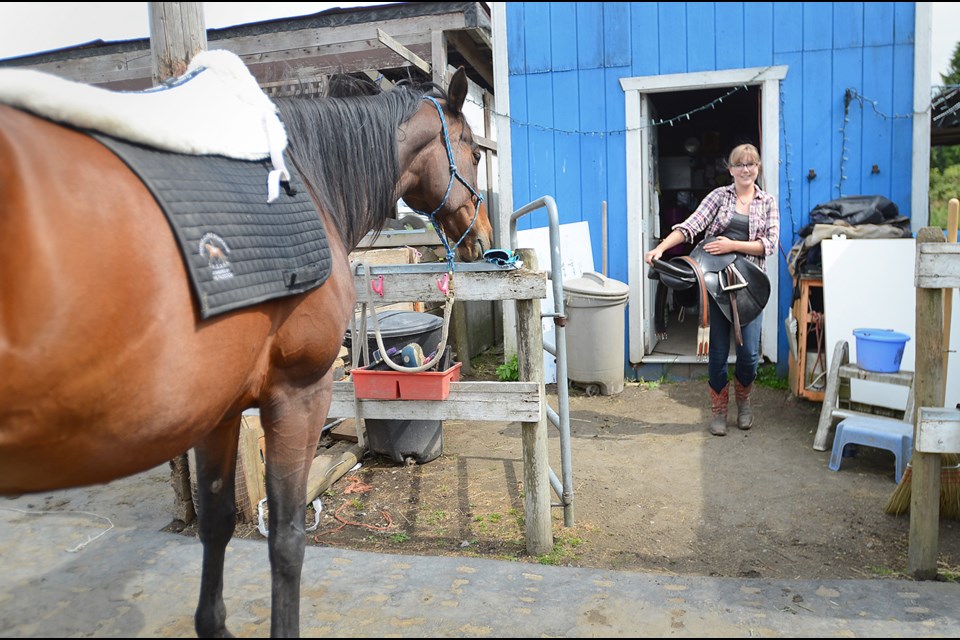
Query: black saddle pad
x=239 y=249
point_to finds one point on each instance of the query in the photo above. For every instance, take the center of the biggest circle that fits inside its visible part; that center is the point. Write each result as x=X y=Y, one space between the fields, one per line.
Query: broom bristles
x=949 y=489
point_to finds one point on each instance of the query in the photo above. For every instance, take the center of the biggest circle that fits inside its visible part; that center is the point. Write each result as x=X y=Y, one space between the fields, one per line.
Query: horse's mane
x=345 y=146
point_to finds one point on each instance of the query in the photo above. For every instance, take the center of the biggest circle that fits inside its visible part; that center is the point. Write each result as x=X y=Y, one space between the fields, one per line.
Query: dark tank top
x=738 y=228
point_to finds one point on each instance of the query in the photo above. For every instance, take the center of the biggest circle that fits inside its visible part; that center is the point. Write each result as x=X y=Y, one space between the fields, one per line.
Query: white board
x=869 y=284
x=576 y=255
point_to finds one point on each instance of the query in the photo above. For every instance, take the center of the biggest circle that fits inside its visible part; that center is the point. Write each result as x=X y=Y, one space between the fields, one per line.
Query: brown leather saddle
x=738 y=286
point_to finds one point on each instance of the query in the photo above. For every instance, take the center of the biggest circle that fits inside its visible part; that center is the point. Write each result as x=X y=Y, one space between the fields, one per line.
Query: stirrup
x=731 y=279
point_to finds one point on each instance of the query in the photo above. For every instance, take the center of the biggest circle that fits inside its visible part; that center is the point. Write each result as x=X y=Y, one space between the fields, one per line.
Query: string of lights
x=785 y=159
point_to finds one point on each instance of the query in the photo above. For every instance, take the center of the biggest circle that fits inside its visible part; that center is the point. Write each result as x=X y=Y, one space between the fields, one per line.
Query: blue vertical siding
x=816 y=18
x=846 y=139
x=877 y=134
x=616 y=34
x=644 y=40
x=566 y=142
x=817 y=106
x=758 y=27
x=541 y=149
x=702 y=56
x=589 y=36
x=731 y=40
x=568 y=124
x=847 y=25
x=563 y=35
x=671 y=27
x=878 y=19
x=592 y=100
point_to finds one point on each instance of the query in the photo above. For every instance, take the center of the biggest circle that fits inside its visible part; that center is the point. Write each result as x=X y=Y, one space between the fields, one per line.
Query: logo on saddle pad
x=214 y=249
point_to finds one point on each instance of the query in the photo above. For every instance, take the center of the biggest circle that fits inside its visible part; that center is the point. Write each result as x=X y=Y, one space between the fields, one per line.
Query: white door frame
x=639 y=186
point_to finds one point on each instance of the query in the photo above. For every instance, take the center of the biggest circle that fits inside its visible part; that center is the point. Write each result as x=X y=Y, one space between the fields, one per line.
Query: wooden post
x=929 y=392
x=536 y=482
x=177 y=33
x=953 y=213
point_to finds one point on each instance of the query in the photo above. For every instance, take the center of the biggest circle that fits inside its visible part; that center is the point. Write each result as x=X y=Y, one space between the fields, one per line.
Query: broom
x=949 y=489
x=949 y=462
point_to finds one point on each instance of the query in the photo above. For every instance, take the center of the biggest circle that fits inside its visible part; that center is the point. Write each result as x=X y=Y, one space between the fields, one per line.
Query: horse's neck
x=413 y=139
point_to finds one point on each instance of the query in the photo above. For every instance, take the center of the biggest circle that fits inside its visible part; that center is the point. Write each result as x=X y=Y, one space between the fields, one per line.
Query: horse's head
x=441 y=178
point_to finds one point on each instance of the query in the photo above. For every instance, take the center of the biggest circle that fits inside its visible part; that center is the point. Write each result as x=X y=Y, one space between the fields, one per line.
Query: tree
x=945 y=159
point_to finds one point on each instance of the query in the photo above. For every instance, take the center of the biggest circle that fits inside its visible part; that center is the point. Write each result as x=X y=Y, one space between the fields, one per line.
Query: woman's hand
x=653 y=254
x=720 y=246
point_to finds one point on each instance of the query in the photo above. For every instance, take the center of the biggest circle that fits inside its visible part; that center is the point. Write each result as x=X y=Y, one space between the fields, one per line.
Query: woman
x=744 y=219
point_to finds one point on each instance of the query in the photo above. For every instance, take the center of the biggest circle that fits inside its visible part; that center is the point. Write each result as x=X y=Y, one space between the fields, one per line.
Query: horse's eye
x=476 y=157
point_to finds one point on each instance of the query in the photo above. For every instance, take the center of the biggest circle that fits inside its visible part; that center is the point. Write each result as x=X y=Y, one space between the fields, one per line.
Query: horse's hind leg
x=216 y=456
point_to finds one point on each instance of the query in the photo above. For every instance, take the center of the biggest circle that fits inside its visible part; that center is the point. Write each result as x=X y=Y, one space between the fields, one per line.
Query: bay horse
x=106 y=368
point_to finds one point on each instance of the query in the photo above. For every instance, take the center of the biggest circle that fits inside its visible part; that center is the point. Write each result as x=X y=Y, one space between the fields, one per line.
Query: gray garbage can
x=594 y=305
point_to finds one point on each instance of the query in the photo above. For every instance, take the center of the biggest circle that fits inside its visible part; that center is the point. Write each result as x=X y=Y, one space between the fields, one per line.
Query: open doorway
x=690 y=160
x=749 y=109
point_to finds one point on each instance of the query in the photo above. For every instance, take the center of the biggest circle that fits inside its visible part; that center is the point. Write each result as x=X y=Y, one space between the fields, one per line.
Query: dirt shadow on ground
x=653 y=492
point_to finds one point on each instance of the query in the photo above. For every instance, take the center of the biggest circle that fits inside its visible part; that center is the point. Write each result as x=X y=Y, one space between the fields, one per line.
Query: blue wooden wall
x=567 y=108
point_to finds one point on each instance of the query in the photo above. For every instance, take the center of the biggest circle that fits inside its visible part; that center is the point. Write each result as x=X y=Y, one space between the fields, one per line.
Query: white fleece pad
x=216 y=108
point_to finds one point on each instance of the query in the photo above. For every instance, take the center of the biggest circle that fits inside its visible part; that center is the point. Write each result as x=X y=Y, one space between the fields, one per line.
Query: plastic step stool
x=881 y=433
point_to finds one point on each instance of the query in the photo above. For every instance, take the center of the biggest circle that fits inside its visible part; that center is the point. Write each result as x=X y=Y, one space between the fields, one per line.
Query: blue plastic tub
x=880 y=350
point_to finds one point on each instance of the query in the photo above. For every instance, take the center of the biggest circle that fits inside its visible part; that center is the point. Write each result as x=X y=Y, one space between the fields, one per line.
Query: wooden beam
x=403 y=52
x=486 y=143
x=533 y=432
x=379 y=79
x=925 y=480
x=177 y=34
x=516 y=284
x=480 y=62
x=487 y=401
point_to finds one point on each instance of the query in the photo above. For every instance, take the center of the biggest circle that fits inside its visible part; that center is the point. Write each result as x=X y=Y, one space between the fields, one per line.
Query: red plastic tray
x=399 y=385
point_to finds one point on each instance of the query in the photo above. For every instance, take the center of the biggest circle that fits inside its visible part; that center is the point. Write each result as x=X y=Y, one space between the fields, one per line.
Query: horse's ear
x=457 y=91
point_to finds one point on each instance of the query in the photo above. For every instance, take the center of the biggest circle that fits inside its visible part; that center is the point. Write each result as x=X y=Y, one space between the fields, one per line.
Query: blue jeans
x=748 y=356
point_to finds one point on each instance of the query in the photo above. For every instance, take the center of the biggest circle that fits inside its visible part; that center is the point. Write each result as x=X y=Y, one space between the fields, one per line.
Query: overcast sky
x=30 y=27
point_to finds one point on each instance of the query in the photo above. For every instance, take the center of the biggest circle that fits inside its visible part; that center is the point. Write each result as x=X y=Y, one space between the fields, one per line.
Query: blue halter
x=454 y=174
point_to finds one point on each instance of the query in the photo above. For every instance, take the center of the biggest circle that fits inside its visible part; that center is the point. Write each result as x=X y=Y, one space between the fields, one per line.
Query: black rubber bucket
x=419 y=440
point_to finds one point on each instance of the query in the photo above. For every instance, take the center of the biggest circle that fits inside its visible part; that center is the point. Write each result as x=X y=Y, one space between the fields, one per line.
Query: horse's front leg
x=292 y=422
x=216 y=456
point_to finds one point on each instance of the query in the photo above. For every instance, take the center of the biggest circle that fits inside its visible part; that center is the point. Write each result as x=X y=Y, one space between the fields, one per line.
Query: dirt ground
x=653 y=492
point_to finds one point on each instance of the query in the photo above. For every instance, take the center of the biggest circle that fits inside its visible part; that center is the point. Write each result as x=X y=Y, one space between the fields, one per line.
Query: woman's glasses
x=744 y=165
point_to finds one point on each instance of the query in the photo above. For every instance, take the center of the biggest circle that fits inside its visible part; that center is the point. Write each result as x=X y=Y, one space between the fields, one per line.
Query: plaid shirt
x=717 y=209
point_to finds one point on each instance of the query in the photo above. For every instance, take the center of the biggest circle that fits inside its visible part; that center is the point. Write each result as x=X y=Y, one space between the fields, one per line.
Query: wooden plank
x=402 y=51
x=533 y=430
x=401 y=238
x=938 y=430
x=476 y=58
x=486 y=401
x=902 y=377
x=267 y=51
x=391 y=255
x=329 y=467
x=516 y=284
x=346 y=430
x=938 y=266
x=250 y=483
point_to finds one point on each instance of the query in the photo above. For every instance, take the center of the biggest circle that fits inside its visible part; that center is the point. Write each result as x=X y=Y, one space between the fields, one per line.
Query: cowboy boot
x=744 y=411
x=718 y=407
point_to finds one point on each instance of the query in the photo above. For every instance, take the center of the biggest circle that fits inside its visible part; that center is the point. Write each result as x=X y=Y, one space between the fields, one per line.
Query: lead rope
x=433 y=362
